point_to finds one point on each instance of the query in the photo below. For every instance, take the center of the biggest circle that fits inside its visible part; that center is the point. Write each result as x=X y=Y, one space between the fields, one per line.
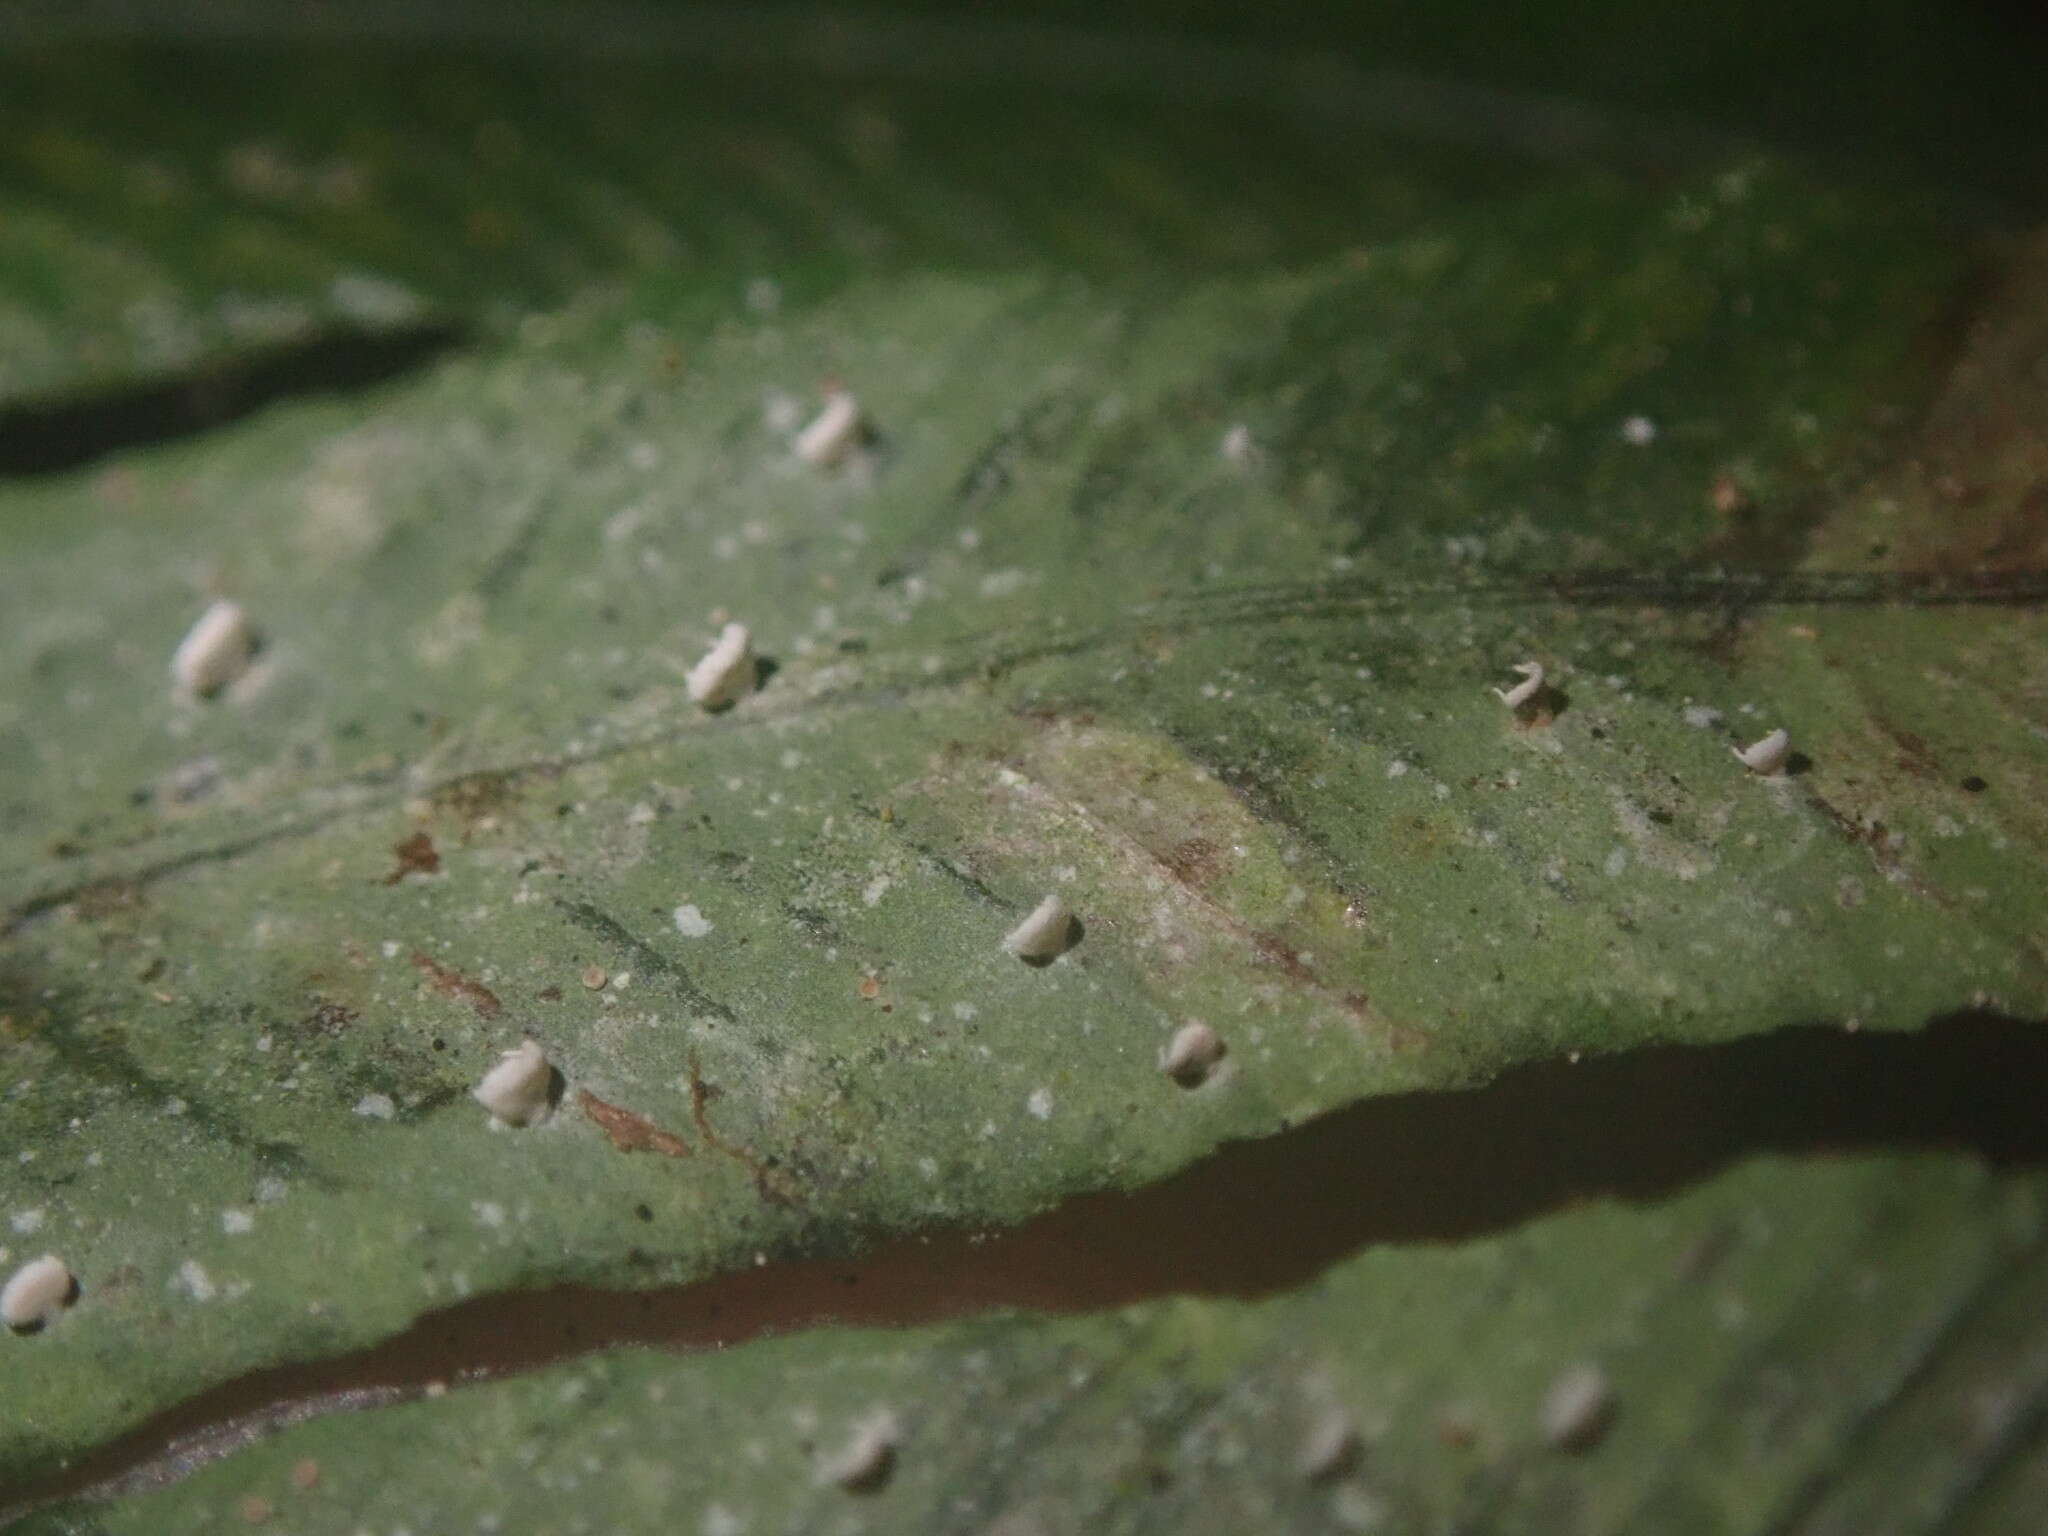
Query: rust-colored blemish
x=1195 y=862
x=1914 y=756
x=630 y=1132
x=415 y=855
x=1974 y=477
x=452 y=983
x=870 y=988
x=1726 y=495
x=327 y=1018
x=774 y=1185
x=475 y=799
x=1275 y=950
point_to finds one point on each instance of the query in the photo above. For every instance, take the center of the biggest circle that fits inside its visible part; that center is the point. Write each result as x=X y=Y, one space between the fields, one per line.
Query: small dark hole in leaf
x=1975 y=785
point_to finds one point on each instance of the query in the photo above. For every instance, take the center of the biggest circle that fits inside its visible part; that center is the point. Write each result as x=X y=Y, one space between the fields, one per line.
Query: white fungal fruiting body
x=1527 y=689
x=833 y=432
x=1766 y=756
x=36 y=1294
x=727 y=671
x=1044 y=934
x=1192 y=1054
x=1577 y=1408
x=214 y=652
x=1330 y=1446
x=516 y=1090
x=869 y=1452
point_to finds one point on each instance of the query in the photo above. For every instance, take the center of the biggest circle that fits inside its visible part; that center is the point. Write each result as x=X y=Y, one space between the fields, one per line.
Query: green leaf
x=1754 y=1334
x=471 y=376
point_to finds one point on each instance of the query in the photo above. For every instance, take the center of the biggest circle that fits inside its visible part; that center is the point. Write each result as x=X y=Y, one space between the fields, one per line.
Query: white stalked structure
x=517 y=1090
x=833 y=433
x=37 y=1294
x=214 y=652
x=1044 y=934
x=1192 y=1054
x=870 y=1450
x=1524 y=692
x=726 y=672
x=1768 y=755
x=1578 y=1407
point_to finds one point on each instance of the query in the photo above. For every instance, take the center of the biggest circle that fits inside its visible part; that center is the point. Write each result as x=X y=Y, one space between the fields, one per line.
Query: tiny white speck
x=489 y=1213
x=269 y=1190
x=875 y=890
x=390 y=949
x=376 y=1106
x=691 y=923
x=1396 y=768
x=964 y=1011
x=27 y=1221
x=1701 y=717
x=234 y=1223
x=1617 y=861
x=1639 y=431
x=1040 y=1103
x=193 y=1277
x=720 y=1521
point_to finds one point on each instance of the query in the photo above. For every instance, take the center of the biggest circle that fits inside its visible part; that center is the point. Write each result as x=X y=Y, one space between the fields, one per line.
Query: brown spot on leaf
x=774 y=1185
x=415 y=855
x=1973 y=483
x=327 y=1018
x=1275 y=950
x=1195 y=862
x=1726 y=495
x=1914 y=756
x=475 y=799
x=630 y=1132
x=452 y=983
